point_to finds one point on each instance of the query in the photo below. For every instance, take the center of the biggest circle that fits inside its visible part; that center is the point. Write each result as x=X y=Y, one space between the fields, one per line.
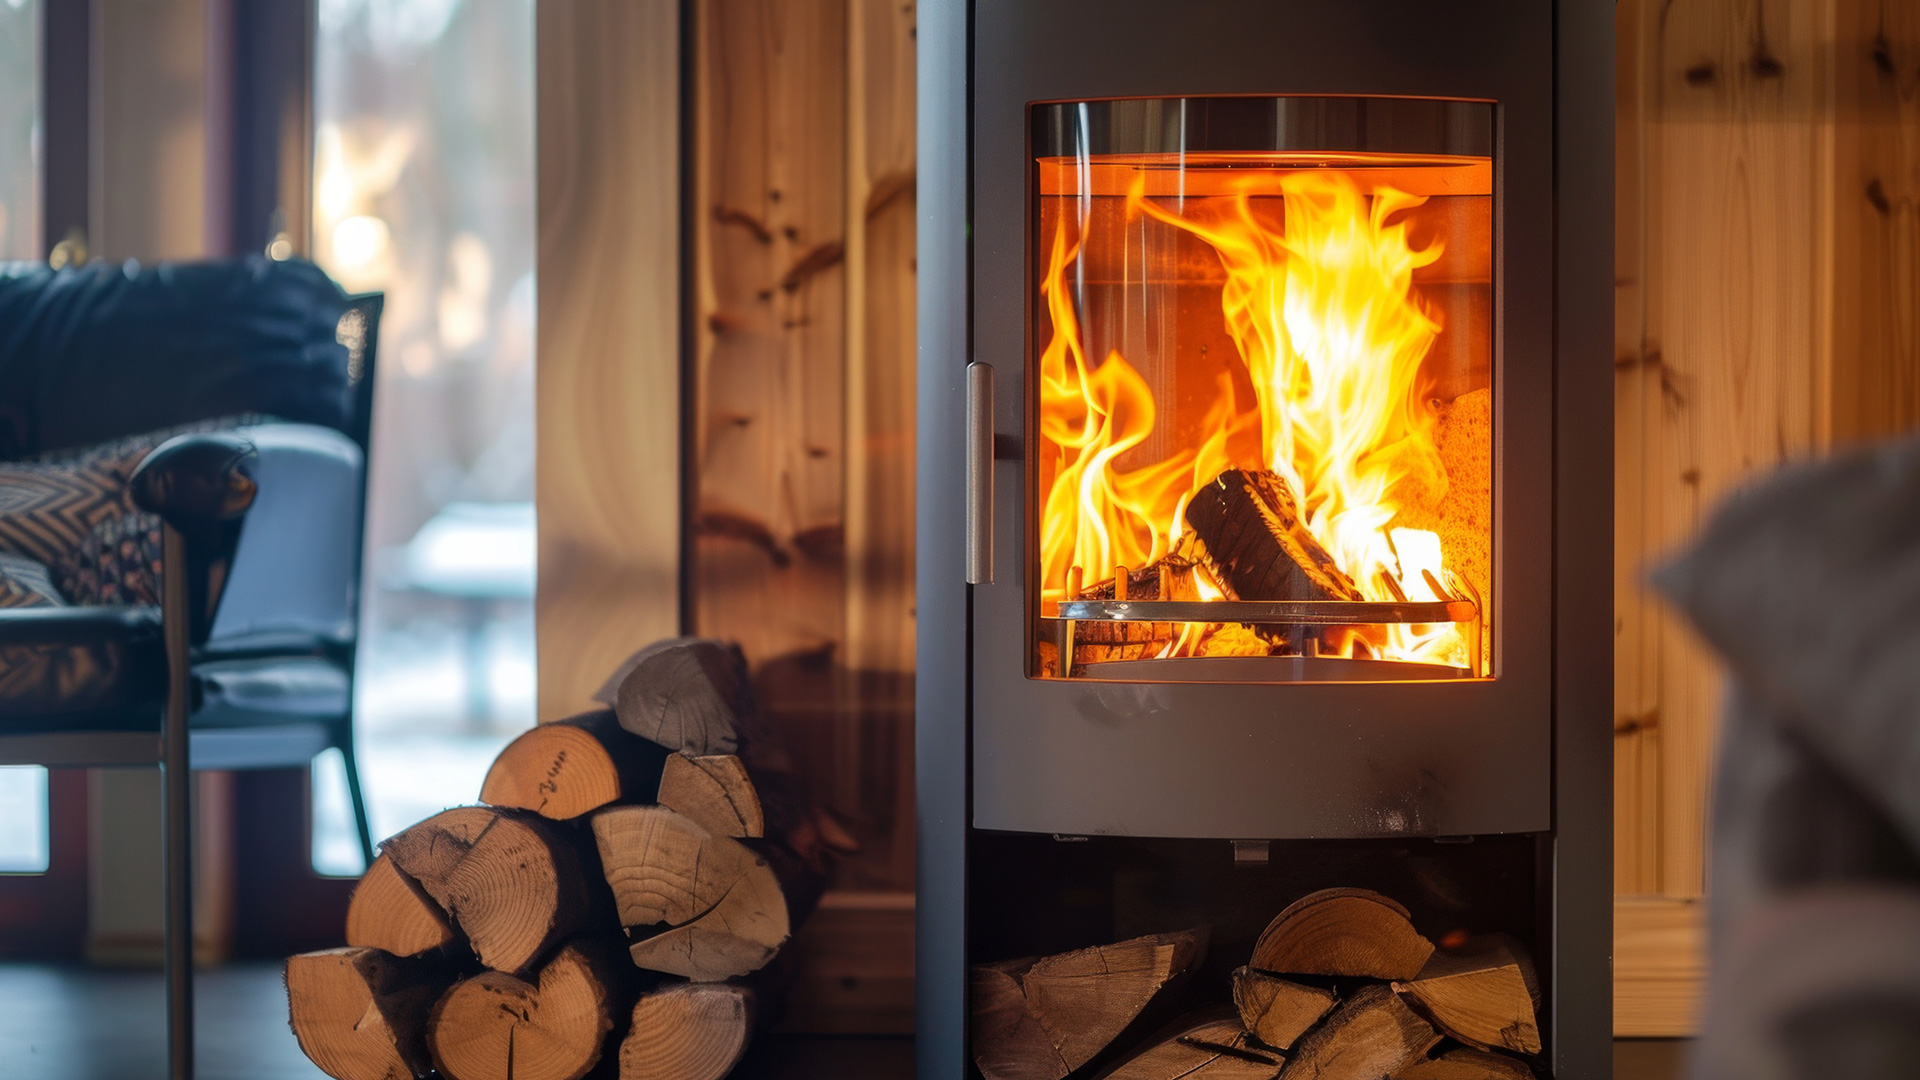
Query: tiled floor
x=79 y=1024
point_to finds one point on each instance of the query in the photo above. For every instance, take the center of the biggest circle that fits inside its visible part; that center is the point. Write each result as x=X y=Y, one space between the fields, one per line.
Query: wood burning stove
x=1265 y=460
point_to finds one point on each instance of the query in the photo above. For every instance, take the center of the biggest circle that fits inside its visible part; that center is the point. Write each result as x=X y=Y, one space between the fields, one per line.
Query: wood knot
x=1702 y=74
x=1883 y=54
x=1764 y=64
x=1877 y=195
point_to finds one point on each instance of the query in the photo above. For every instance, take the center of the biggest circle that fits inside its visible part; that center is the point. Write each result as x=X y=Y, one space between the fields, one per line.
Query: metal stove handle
x=979 y=473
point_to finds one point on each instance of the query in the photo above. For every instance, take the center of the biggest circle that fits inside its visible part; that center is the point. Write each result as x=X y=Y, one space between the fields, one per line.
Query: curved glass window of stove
x=1262 y=390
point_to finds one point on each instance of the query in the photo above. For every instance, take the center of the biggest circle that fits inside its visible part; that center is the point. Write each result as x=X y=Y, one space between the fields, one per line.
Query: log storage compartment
x=1262 y=382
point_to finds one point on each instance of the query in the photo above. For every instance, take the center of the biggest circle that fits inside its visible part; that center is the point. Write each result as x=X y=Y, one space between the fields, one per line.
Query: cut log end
x=1048 y=1016
x=686 y=694
x=1343 y=932
x=361 y=1014
x=556 y=770
x=1372 y=1034
x=390 y=913
x=1484 y=996
x=1275 y=1010
x=715 y=792
x=717 y=906
x=513 y=883
x=495 y=1026
x=695 y=1031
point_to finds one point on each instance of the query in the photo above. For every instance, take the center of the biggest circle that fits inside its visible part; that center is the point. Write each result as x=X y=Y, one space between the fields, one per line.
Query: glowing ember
x=1324 y=316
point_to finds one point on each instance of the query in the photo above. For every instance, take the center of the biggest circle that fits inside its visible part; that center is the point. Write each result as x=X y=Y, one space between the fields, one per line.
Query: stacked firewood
x=1340 y=986
x=615 y=907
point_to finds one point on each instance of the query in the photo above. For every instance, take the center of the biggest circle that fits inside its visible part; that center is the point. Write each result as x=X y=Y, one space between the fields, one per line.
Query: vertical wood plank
x=873 y=738
x=1636 y=395
x=608 y=384
x=771 y=248
x=1741 y=352
x=1876 y=219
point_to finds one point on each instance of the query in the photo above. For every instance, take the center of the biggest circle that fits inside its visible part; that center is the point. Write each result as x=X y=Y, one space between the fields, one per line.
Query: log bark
x=1206 y=1045
x=1466 y=1063
x=1485 y=996
x=686 y=694
x=496 y=1026
x=361 y=1014
x=1277 y=1011
x=715 y=792
x=1372 y=1034
x=1255 y=543
x=571 y=767
x=1041 y=1018
x=390 y=912
x=690 y=1031
x=712 y=907
x=1343 y=932
x=514 y=883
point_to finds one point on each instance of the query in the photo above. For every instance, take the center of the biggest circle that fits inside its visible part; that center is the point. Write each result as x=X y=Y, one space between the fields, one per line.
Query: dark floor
x=81 y=1024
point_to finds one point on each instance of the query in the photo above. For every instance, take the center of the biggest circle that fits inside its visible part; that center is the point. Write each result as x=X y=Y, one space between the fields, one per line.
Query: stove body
x=1055 y=138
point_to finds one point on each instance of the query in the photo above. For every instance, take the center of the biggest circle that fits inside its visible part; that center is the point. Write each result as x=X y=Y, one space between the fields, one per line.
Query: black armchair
x=247 y=660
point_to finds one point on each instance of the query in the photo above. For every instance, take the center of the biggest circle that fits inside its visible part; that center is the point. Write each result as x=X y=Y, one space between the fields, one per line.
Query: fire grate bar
x=1284 y=612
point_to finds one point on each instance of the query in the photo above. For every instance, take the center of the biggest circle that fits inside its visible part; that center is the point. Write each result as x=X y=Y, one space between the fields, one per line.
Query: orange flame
x=1324 y=316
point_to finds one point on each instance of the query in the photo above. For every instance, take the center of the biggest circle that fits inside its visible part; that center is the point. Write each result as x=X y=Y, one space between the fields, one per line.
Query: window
x=424 y=189
x=23 y=789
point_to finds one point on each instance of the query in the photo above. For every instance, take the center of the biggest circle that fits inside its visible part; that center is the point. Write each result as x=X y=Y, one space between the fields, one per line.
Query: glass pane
x=23 y=819
x=423 y=189
x=1263 y=382
x=20 y=129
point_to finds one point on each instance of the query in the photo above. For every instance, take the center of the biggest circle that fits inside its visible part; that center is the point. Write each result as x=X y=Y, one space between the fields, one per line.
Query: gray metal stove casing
x=1529 y=752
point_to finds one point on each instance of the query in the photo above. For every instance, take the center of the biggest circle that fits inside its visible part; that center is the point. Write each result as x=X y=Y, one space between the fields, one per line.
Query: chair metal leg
x=347 y=754
x=177 y=811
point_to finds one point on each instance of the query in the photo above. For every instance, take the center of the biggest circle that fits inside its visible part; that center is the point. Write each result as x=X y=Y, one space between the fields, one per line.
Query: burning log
x=690 y=1031
x=495 y=1026
x=1485 y=997
x=1206 y=1045
x=390 y=912
x=1275 y=1010
x=720 y=907
x=570 y=767
x=514 y=883
x=1042 y=1018
x=1343 y=932
x=1372 y=1034
x=361 y=1014
x=1256 y=545
x=1465 y=1063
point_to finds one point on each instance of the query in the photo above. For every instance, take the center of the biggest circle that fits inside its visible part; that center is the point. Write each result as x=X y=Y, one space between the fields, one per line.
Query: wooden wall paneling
x=608 y=414
x=1637 y=396
x=1875 y=204
x=1659 y=964
x=770 y=238
x=874 y=739
x=1738 y=330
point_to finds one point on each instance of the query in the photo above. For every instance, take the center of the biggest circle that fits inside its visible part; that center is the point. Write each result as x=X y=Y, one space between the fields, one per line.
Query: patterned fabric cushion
x=69 y=511
x=25 y=583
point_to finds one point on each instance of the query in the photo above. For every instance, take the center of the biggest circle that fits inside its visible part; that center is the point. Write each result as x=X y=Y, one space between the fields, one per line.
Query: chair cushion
x=268 y=691
x=70 y=512
x=75 y=668
x=25 y=583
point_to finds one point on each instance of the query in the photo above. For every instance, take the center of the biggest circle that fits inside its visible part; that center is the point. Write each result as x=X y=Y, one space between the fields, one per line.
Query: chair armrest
x=195 y=483
x=201 y=486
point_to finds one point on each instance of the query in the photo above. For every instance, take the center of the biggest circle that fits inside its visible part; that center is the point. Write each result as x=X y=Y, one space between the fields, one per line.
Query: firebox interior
x=1262 y=390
